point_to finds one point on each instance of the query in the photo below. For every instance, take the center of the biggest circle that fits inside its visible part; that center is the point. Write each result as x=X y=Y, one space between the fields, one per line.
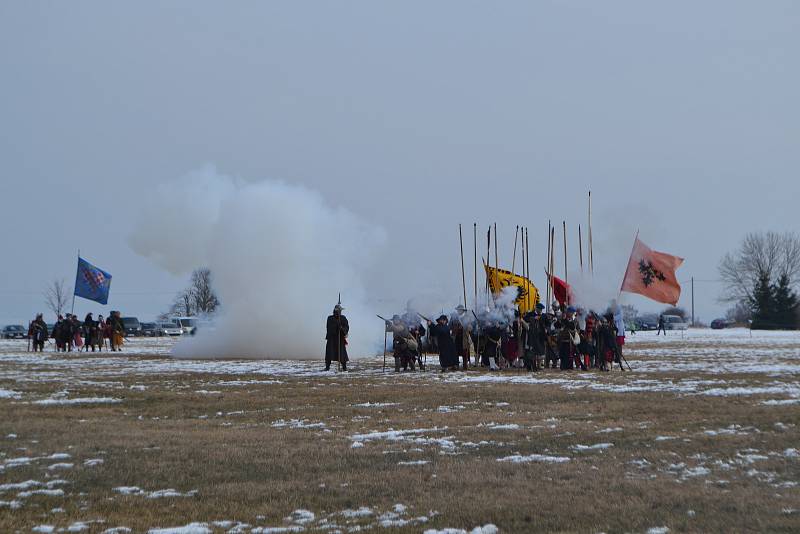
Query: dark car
x=719 y=324
x=132 y=326
x=647 y=322
x=151 y=330
x=15 y=331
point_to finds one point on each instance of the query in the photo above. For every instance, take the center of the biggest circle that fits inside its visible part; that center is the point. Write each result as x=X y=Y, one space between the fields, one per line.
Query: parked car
x=51 y=327
x=170 y=329
x=132 y=326
x=151 y=330
x=187 y=324
x=15 y=331
x=675 y=322
x=647 y=322
x=719 y=324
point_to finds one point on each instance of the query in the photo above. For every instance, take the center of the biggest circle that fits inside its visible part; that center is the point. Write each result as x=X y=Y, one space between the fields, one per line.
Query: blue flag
x=92 y=283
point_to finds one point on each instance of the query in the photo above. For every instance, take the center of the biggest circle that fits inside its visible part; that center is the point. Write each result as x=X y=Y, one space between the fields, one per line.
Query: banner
x=527 y=294
x=92 y=283
x=652 y=274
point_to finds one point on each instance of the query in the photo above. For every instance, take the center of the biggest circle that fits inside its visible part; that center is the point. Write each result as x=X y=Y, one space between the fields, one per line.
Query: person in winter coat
x=448 y=354
x=493 y=336
x=99 y=333
x=117 y=331
x=337 y=329
x=461 y=330
x=38 y=333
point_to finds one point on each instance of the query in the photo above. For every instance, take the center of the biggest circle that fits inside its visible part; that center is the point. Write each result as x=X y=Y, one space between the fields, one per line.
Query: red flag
x=562 y=291
x=652 y=274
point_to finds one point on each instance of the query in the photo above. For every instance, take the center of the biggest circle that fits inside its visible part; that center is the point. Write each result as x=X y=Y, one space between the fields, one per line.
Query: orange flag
x=652 y=274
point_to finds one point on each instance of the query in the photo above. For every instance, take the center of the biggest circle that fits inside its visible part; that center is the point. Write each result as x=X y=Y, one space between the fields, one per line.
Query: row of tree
x=760 y=278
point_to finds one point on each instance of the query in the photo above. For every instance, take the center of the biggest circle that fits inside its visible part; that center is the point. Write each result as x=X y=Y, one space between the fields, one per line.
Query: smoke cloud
x=279 y=255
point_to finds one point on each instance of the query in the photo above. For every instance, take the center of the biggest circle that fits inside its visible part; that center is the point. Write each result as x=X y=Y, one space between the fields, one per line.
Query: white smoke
x=279 y=255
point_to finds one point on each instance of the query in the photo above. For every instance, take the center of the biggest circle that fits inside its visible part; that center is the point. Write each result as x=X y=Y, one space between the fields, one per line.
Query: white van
x=675 y=322
x=187 y=324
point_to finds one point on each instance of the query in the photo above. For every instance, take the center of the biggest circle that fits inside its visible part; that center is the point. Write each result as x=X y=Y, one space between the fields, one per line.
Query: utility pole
x=693 y=301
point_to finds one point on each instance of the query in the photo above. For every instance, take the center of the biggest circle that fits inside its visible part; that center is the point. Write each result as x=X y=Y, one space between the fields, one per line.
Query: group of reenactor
x=70 y=333
x=565 y=337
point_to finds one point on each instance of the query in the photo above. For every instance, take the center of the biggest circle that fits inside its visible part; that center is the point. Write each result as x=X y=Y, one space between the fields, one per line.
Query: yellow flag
x=527 y=294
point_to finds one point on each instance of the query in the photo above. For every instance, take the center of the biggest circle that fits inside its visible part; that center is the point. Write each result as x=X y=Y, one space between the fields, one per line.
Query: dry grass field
x=701 y=437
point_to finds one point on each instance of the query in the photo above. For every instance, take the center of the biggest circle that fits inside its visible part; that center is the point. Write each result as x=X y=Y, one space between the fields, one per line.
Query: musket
x=387 y=320
x=425 y=318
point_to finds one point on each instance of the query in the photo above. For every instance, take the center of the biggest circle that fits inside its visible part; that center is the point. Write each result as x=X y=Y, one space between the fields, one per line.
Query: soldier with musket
x=404 y=344
x=337 y=329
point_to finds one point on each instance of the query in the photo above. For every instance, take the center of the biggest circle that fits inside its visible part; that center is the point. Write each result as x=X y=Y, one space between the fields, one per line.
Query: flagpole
x=591 y=243
x=463 y=276
x=475 y=260
x=547 y=284
x=580 y=247
x=75 y=286
x=628 y=268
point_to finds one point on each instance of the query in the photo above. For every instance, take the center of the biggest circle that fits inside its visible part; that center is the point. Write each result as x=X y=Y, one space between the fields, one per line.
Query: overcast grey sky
x=682 y=117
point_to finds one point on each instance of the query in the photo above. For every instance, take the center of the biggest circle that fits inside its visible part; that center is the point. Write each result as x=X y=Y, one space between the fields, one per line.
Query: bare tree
x=205 y=300
x=760 y=254
x=197 y=299
x=740 y=313
x=56 y=296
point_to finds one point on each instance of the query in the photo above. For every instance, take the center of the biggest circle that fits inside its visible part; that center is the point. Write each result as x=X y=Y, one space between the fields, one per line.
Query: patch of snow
x=45 y=492
x=28 y=484
x=598 y=446
x=93 y=462
x=296 y=423
x=416 y=462
x=44 y=529
x=301 y=517
x=519 y=459
x=191 y=528
x=85 y=400
x=60 y=466
x=364 y=511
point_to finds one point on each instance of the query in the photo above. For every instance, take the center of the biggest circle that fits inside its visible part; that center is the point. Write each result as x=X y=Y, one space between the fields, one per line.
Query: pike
x=463 y=276
x=339 y=335
x=384 y=341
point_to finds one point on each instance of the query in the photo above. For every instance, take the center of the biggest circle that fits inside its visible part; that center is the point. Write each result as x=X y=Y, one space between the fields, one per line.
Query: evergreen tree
x=763 y=304
x=785 y=304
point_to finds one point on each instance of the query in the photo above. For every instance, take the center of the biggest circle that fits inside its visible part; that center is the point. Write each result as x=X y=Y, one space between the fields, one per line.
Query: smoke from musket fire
x=279 y=256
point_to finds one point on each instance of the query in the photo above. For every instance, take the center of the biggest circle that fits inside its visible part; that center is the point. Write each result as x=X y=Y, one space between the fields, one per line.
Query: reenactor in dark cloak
x=38 y=333
x=448 y=355
x=493 y=335
x=535 y=339
x=337 y=329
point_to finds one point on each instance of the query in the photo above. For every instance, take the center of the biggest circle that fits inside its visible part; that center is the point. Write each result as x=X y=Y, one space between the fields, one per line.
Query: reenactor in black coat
x=448 y=355
x=39 y=333
x=337 y=329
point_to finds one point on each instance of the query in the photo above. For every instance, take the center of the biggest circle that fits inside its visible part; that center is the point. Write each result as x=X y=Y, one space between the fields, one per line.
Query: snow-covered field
x=713 y=414
x=686 y=363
